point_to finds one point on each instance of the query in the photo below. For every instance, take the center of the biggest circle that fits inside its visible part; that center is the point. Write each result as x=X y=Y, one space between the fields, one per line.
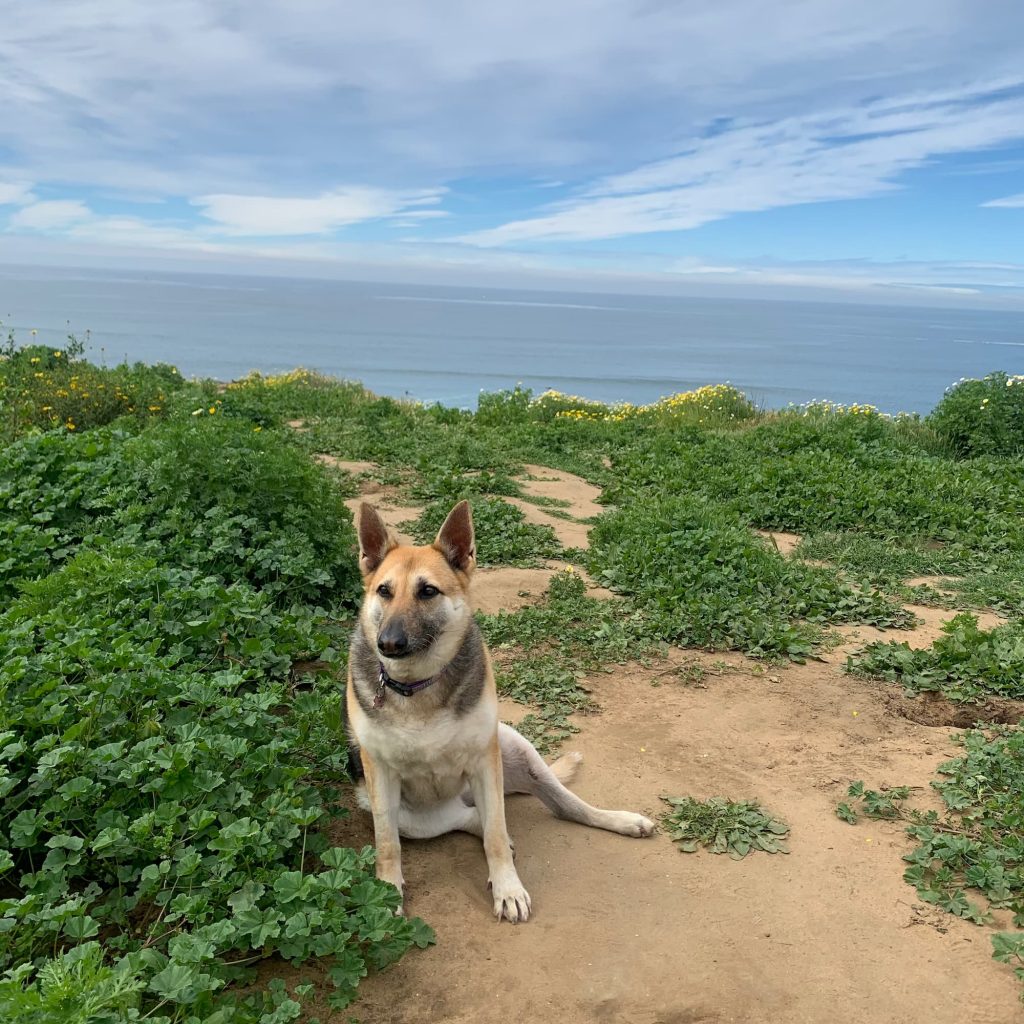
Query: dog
x=426 y=747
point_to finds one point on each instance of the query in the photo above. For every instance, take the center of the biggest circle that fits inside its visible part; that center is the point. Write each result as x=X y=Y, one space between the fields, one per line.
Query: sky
x=870 y=150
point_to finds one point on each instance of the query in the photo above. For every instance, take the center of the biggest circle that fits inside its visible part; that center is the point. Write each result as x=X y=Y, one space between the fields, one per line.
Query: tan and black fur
x=439 y=760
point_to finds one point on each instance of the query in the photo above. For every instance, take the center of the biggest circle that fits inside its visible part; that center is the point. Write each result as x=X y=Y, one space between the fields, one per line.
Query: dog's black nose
x=393 y=642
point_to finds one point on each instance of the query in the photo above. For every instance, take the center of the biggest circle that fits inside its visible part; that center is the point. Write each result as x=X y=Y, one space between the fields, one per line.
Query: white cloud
x=123 y=230
x=15 y=193
x=199 y=96
x=868 y=278
x=838 y=154
x=1013 y=202
x=283 y=215
x=52 y=213
x=675 y=113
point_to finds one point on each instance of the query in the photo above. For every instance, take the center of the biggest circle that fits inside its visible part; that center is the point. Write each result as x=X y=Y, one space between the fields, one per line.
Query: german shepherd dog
x=427 y=749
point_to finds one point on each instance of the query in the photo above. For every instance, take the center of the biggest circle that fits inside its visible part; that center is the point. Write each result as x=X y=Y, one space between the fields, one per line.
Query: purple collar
x=405 y=689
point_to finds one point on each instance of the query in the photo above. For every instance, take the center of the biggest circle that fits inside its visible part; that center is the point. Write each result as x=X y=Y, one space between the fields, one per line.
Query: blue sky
x=861 y=150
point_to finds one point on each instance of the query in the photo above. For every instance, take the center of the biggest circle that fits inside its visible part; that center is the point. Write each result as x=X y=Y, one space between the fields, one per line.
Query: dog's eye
x=385 y=591
x=428 y=591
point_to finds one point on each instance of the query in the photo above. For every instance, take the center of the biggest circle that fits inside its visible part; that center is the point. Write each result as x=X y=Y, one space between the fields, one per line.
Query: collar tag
x=378 y=697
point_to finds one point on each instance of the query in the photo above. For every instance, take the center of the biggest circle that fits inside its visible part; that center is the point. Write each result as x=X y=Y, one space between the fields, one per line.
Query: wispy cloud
x=531 y=126
x=116 y=92
x=1007 y=201
x=53 y=213
x=289 y=215
x=14 y=193
x=839 y=154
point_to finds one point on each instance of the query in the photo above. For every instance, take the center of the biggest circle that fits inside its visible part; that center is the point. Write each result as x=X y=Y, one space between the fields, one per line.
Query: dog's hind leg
x=526 y=771
x=427 y=822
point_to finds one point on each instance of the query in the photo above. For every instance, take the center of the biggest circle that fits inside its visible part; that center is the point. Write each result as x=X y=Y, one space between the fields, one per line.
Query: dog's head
x=416 y=608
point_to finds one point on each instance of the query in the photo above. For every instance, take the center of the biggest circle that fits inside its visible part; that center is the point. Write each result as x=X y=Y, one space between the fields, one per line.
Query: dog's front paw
x=511 y=900
x=636 y=825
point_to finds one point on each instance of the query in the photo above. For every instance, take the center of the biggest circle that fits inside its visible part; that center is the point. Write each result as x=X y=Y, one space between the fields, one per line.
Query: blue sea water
x=447 y=344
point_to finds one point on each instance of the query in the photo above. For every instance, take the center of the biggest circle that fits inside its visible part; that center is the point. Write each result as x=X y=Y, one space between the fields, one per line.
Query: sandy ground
x=634 y=931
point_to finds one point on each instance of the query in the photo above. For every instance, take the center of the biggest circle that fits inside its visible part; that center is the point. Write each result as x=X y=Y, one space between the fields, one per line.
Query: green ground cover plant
x=543 y=652
x=983 y=417
x=723 y=826
x=503 y=536
x=155 y=797
x=206 y=492
x=162 y=570
x=163 y=775
x=968 y=859
x=43 y=388
x=965 y=664
x=707 y=581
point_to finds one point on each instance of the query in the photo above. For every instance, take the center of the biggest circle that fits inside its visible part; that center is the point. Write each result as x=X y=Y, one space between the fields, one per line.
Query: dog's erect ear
x=375 y=539
x=455 y=539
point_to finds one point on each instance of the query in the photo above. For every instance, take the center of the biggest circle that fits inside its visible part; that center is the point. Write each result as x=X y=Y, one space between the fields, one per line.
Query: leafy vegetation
x=544 y=650
x=43 y=388
x=169 y=552
x=156 y=796
x=983 y=417
x=966 y=663
x=723 y=826
x=707 y=581
x=163 y=776
x=208 y=493
x=711 y=405
x=503 y=536
x=971 y=852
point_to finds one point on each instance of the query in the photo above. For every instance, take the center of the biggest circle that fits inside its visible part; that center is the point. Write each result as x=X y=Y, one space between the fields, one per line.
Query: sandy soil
x=570 y=532
x=543 y=482
x=498 y=588
x=633 y=931
x=785 y=543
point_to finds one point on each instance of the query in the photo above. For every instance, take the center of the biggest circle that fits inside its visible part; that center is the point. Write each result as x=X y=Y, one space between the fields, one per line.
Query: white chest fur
x=435 y=756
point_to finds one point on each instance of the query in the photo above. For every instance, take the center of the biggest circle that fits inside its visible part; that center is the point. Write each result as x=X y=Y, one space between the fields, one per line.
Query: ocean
x=446 y=344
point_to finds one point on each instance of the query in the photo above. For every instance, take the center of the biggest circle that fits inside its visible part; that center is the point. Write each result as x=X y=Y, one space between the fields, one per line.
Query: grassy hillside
x=177 y=575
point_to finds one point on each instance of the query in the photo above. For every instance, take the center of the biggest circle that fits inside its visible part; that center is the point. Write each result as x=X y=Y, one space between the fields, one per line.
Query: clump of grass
x=723 y=826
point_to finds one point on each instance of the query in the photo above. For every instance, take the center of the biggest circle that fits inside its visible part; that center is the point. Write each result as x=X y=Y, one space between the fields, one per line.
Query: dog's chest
x=435 y=757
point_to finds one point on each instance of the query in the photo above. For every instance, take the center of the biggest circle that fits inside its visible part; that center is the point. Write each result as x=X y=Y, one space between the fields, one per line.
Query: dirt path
x=634 y=931
x=500 y=588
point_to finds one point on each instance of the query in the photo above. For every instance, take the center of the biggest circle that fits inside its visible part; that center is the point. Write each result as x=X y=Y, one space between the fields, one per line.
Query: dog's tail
x=566 y=767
